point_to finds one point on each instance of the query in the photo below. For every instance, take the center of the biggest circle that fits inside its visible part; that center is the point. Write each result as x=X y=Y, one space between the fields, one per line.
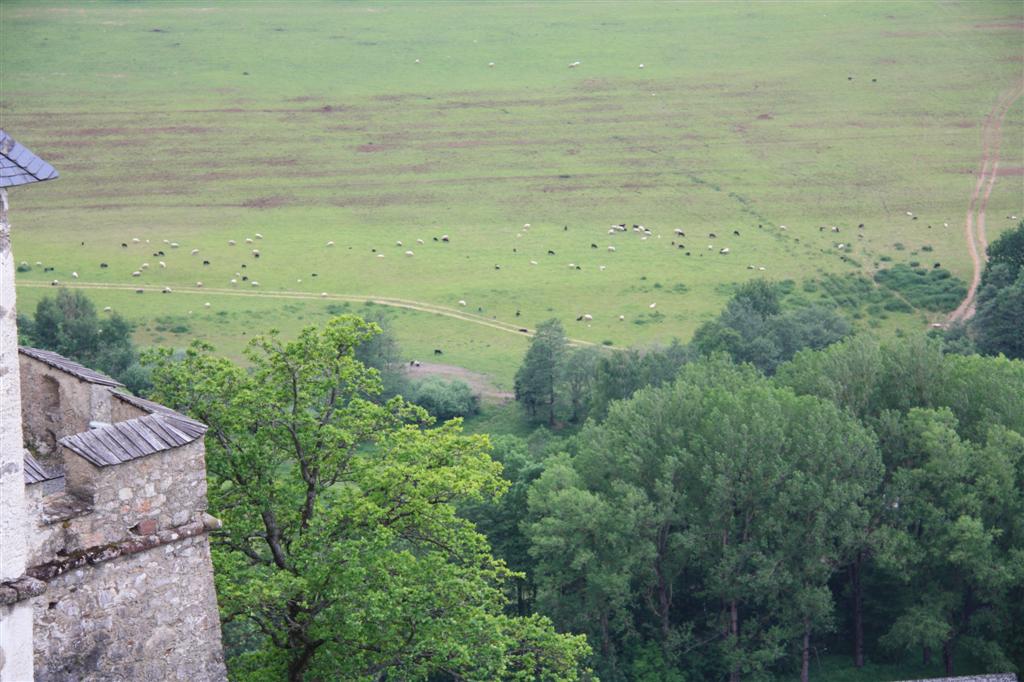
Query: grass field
x=313 y=122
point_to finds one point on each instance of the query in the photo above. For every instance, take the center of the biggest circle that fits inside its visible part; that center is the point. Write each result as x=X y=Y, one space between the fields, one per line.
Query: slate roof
x=70 y=366
x=156 y=408
x=134 y=438
x=19 y=166
x=36 y=472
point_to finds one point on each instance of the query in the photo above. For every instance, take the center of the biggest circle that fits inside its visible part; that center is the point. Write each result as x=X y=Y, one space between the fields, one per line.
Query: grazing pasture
x=368 y=124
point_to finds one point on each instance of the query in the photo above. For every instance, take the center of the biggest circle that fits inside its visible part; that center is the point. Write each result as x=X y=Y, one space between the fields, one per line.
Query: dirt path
x=481 y=384
x=988 y=170
x=292 y=295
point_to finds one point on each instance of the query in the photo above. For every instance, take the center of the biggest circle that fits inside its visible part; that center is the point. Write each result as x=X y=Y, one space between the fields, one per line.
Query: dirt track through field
x=988 y=171
x=293 y=295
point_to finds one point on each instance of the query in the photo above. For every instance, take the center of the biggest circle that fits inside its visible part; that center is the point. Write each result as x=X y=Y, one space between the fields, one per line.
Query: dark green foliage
x=68 y=324
x=934 y=290
x=537 y=378
x=24 y=267
x=690 y=505
x=753 y=329
x=382 y=352
x=619 y=376
x=998 y=324
x=444 y=399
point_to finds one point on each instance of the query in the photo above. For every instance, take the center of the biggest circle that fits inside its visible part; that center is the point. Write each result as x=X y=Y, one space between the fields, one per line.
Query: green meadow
x=368 y=124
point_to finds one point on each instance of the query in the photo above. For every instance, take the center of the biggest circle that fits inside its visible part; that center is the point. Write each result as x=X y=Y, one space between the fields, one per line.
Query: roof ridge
x=68 y=365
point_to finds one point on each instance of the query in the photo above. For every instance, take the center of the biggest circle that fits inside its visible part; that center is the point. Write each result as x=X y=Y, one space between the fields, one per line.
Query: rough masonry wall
x=55 y=404
x=146 y=617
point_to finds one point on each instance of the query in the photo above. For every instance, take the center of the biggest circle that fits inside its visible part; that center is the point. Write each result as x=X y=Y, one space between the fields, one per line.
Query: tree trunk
x=520 y=598
x=858 y=610
x=734 y=632
x=926 y=655
x=947 y=656
x=805 y=668
x=297 y=666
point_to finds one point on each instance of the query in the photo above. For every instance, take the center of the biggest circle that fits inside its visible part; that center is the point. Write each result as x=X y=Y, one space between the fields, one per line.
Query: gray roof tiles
x=36 y=472
x=19 y=166
x=70 y=366
x=134 y=438
x=156 y=408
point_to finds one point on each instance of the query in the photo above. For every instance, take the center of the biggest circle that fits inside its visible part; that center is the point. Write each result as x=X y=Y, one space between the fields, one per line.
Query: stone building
x=118 y=560
x=105 y=569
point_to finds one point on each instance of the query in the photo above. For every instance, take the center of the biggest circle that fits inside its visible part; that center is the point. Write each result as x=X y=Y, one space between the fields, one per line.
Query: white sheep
x=135 y=240
x=248 y=240
x=490 y=64
x=323 y=294
x=234 y=281
x=461 y=302
x=107 y=309
x=55 y=283
x=601 y=268
x=409 y=253
x=199 y=284
x=206 y=305
x=588 y=318
x=533 y=262
x=166 y=290
x=621 y=318
x=380 y=255
x=419 y=241
x=136 y=274
x=330 y=243
x=144 y=266
x=195 y=252
x=653 y=306
x=163 y=264
x=526 y=226
x=258 y=235
x=231 y=242
x=724 y=251
x=75 y=275
x=641 y=66
x=174 y=245
x=255 y=283
x=611 y=248
x=256 y=252
x=398 y=243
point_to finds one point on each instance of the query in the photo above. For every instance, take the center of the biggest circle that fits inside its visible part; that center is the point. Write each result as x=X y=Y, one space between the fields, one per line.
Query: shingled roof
x=36 y=472
x=156 y=408
x=19 y=166
x=70 y=366
x=134 y=438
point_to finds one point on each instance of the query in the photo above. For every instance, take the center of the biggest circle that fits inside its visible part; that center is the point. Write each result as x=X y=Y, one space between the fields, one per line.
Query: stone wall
x=55 y=404
x=147 y=616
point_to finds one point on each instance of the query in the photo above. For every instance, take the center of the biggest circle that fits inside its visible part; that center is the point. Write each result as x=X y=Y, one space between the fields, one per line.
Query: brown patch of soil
x=371 y=148
x=265 y=202
x=765 y=117
x=481 y=384
x=1002 y=26
x=1010 y=170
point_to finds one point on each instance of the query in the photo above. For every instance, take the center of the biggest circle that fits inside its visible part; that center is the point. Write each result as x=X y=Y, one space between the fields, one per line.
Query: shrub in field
x=444 y=399
x=935 y=290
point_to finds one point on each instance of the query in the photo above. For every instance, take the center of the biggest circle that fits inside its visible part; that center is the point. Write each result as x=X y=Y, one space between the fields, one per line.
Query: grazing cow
x=724 y=251
x=444 y=238
x=524 y=330
x=835 y=228
x=123 y=245
x=593 y=246
x=579 y=319
x=438 y=351
x=245 y=278
x=712 y=235
x=736 y=232
x=680 y=246
x=679 y=232
x=206 y=262
x=517 y=313
x=550 y=252
x=435 y=239
x=313 y=275
x=497 y=267
x=937 y=265
x=103 y=265
x=139 y=291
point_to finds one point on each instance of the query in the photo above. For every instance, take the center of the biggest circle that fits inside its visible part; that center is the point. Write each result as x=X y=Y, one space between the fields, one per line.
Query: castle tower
x=18 y=166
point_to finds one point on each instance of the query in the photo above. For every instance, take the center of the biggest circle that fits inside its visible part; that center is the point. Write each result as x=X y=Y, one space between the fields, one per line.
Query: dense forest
x=726 y=509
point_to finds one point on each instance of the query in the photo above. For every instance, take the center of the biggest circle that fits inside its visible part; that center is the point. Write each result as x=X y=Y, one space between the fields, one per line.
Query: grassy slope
x=743 y=115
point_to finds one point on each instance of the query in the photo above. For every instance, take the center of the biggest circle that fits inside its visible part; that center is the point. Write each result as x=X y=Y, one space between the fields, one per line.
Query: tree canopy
x=341 y=555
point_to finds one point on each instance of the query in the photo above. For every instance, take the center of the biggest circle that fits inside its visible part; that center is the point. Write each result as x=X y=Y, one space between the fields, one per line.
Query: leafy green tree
x=955 y=538
x=620 y=375
x=998 y=324
x=536 y=382
x=341 y=546
x=444 y=399
x=883 y=384
x=720 y=486
x=753 y=328
x=577 y=380
x=68 y=324
x=383 y=353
